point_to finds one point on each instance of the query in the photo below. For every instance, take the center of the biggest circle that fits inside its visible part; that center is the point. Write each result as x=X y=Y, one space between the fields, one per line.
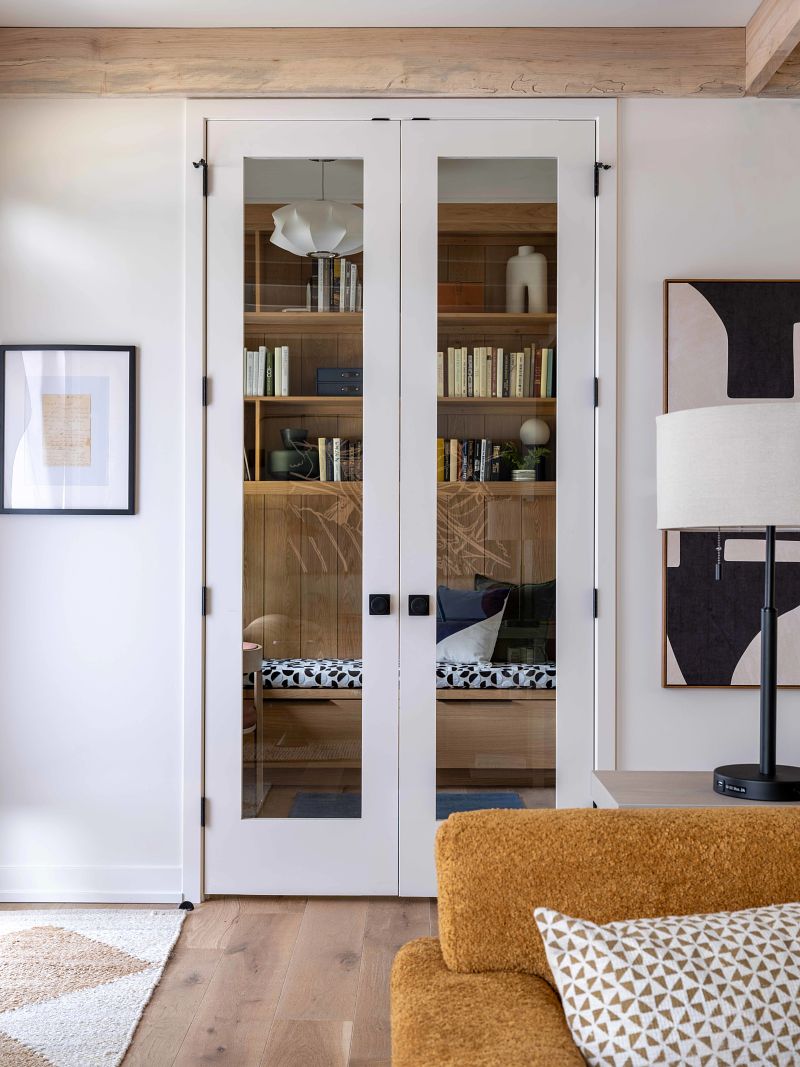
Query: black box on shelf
x=340 y=381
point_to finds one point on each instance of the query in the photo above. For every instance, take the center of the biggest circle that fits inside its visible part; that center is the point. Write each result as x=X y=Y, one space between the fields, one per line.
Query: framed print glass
x=67 y=429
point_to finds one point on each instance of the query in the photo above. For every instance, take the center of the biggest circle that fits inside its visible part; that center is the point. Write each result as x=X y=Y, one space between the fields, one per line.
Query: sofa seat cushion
x=444 y=1019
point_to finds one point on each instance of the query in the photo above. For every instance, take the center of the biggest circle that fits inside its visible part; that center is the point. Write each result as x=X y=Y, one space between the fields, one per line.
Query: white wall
x=91 y=251
x=708 y=188
x=91 y=247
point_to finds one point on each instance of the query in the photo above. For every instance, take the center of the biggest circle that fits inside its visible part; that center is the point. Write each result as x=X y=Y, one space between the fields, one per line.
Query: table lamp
x=738 y=466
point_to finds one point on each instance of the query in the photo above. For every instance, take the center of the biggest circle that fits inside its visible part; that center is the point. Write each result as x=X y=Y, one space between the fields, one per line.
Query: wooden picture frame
x=67 y=429
x=726 y=341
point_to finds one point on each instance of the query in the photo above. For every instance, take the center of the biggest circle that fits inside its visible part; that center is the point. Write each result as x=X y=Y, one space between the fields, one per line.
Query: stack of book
x=334 y=286
x=340 y=459
x=469 y=460
x=487 y=372
x=266 y=373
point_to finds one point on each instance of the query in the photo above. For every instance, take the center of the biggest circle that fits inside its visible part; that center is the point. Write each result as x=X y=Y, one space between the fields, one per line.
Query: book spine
x=440 y=373
x=269 y=376
x=498 y=375
x=463 y=372
x=284 y=370
x=526 y=383
x=337 y=459
x=262 y=370
x=323 y=459
x=537 y=372
x=439 y=459
x=244 y=372
x=457 y=362
x=453 y=460
x=520 y=378
x=506 y=374
x=471 y=374
x=482 y=471
x=451 y=371
x=545 y=364
x=278 y=375
x=552 y=377
x=251 y=373
x=353 y=286
x=475 y=466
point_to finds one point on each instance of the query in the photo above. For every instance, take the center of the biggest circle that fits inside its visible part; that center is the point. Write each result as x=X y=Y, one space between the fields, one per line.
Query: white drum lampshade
x=324 y=228
x=729 y=466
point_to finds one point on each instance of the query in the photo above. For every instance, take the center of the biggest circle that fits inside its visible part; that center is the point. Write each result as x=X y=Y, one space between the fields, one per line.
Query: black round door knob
x=419 y=604
x=379 y=604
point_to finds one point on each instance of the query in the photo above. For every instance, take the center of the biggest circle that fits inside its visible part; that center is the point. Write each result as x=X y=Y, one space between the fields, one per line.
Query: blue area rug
x=348 y=805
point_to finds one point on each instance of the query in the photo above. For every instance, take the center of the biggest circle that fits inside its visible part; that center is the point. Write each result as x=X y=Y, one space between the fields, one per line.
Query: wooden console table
x=663 y=789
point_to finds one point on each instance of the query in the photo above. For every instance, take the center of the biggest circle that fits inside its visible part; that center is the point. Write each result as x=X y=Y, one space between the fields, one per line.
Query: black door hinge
x=597 y=168
x=202 y=811
x=204 y=600
x=594 y=603
x=205 y=390
x=202 y=163
x=597 y=392
x=380 y=118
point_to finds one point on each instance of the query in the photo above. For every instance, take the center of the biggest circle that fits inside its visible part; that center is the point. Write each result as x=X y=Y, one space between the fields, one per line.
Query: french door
x=400 y=564
x=301 y=778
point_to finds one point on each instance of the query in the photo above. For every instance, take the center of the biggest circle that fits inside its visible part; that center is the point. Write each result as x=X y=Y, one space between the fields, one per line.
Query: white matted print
x=68 y=417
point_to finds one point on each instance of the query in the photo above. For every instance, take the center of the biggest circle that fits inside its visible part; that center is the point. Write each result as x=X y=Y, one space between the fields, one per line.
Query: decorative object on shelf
x=737 y=466
x=68 y=429
x=524 y=464
x=297 y=460
x=727 y=342
x=534 y=432
x=526 y=282
x=320 y=229
x=340 y=381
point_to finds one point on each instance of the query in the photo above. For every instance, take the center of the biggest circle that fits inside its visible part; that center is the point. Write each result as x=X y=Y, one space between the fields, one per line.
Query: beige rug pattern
x=74 y=983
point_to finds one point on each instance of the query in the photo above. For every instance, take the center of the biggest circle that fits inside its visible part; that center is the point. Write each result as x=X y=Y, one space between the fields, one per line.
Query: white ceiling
x=376 y=12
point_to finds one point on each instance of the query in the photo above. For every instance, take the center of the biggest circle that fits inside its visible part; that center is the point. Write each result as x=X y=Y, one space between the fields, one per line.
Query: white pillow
x=467 y=623
x=691 y=990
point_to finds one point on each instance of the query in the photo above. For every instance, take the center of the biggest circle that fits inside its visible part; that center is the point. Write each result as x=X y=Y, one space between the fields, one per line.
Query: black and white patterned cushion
x=346 y=674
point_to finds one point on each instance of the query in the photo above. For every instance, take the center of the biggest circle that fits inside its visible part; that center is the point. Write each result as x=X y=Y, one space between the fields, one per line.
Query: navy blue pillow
x=467 y=623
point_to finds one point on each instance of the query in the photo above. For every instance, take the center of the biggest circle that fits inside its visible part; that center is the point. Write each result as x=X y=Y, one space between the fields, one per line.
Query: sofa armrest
x=444 y=1019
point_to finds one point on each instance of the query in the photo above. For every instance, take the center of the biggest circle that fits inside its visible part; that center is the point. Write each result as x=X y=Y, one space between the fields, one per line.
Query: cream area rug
x=74 y=983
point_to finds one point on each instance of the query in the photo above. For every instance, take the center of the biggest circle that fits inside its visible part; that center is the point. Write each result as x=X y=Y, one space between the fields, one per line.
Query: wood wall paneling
x=298 y=62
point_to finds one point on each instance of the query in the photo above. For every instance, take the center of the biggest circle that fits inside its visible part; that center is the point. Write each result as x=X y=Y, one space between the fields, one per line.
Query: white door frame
x=198 y=113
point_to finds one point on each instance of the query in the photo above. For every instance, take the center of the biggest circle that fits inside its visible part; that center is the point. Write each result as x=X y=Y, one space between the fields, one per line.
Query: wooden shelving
x=352 y=321
x=317 y=405
x=508 y=405
x=355 y=488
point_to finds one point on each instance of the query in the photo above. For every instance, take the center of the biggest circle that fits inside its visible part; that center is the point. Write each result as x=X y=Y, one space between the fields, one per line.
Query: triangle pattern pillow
x=718 y=990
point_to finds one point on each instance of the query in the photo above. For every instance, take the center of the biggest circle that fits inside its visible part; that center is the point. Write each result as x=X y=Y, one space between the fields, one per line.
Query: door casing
x=198 y=113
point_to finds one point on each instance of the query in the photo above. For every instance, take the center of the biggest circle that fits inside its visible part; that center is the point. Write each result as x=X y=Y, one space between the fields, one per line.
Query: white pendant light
x=322 y=229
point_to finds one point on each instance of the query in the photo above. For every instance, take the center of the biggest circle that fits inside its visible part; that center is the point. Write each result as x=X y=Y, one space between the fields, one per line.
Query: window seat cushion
x=346 y=674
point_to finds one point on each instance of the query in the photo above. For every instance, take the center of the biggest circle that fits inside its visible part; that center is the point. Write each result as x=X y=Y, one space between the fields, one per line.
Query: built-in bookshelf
x=354 y=489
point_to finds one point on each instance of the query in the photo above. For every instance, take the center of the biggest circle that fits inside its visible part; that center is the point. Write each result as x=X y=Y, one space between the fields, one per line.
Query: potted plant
x=524 y=463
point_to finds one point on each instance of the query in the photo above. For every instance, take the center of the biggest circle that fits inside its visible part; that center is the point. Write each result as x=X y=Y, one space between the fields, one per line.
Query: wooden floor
x=280 y=982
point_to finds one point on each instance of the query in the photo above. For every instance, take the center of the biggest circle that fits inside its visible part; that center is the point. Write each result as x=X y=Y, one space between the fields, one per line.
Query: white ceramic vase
x=526 y=274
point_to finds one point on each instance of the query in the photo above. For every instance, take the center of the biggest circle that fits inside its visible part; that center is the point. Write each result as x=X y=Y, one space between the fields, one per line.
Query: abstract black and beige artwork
x=729 y=342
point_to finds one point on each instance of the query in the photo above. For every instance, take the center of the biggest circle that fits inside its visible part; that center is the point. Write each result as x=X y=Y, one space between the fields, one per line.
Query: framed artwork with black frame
x=728 y=342
x=67 y=429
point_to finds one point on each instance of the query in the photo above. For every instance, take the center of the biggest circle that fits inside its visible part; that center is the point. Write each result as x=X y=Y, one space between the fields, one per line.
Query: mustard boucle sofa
x=481 y=995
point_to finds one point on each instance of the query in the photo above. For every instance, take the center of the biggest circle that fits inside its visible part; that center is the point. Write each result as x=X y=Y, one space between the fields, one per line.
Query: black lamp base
x=745 y=780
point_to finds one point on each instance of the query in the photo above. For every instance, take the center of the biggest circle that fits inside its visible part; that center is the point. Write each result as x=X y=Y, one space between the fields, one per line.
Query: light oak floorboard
x=234 y=1017
x=390 y=923
x=322 y=980
x=308 y=1043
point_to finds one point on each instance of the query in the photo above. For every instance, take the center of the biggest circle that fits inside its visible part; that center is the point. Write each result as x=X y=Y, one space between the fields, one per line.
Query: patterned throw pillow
x=696 y=990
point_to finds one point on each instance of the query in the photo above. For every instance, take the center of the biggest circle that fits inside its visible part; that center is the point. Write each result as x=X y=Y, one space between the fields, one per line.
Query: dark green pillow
x=530 y=603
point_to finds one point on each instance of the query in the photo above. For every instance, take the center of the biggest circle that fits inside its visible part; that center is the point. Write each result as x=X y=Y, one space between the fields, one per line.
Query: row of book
x=266 y=373
x=469 y=460
x=334 y=286
x=487 y=372
x=340 y=459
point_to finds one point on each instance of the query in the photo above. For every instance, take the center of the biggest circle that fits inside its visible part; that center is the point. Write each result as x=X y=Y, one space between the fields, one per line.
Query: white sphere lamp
x=534 y=432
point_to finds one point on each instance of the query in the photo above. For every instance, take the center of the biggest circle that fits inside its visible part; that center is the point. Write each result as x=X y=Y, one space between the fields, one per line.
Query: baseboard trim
x=90 y=885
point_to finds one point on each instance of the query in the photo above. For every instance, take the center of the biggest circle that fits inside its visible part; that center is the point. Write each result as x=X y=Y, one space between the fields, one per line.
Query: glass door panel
x=498 y=275
x=496 y=504
x=303 y=477
x=301 y=760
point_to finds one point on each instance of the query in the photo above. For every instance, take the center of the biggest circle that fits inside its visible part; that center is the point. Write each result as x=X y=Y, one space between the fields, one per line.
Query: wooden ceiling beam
x=771 y=36
x=295 y=62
